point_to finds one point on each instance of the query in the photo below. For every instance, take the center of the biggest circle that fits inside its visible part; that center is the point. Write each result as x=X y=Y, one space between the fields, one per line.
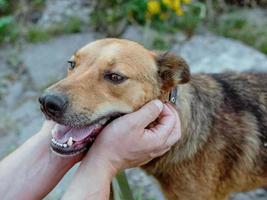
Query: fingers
x=166 y=123
x=147 y=114
x=166 y=133
x=48 y=125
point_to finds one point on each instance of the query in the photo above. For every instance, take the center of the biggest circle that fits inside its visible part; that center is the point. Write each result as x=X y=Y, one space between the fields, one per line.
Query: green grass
x=73 y=25
x=238 y=27
x=8 y=29
x=37 y=33
x=122 y=188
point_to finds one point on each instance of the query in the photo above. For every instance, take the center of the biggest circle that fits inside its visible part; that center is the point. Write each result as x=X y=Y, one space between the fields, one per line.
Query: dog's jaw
x=69 y=141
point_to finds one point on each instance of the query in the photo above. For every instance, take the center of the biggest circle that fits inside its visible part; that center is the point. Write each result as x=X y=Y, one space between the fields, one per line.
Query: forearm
x=92 y=185
x=32 y=170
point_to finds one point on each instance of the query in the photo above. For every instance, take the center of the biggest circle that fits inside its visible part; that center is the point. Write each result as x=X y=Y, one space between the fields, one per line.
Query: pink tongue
x=63 y=133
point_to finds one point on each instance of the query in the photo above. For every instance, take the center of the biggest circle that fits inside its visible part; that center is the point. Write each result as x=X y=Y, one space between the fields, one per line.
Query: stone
x=14 y=94
x=58 y=11
x=47 y=62
x=258 y=194
x=213 y=54
x=134 y=33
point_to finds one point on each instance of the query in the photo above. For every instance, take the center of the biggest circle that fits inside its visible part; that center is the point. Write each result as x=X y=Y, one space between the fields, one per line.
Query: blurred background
x=37 y=37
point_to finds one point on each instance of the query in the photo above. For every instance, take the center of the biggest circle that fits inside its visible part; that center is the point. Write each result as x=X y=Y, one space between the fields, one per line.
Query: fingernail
x=158 y=103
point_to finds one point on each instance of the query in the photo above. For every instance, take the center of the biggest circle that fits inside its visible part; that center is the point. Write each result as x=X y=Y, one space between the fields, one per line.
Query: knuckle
x=153 y=154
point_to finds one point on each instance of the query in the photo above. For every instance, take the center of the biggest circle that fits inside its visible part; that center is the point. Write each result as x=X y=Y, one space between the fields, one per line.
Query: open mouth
x=67 y=140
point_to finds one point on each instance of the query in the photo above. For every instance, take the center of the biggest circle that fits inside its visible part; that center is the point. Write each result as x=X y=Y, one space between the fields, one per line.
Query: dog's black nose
x=53 y=104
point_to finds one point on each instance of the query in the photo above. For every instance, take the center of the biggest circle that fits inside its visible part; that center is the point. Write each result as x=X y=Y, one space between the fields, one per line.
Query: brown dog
x=223 y=148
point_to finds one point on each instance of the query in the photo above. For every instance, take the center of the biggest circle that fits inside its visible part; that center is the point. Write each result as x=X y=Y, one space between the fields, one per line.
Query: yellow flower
x=179 y=12
x=153 y=7
x=176 y=5
x=167 y=3
x=163 y=16
x=186 y=1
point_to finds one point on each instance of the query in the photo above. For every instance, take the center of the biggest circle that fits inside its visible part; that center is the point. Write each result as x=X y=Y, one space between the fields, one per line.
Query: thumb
x=147 y=114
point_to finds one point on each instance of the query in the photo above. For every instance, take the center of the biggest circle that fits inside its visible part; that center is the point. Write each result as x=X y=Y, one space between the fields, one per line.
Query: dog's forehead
x=116 y=49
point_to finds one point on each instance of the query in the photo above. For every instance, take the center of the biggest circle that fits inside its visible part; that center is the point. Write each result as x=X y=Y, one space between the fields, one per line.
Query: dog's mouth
x=67 y=140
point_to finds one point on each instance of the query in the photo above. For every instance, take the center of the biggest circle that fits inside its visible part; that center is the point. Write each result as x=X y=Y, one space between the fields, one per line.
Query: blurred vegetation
x=235 y=25
x=112 y=16
x=160 y=19
x=8 y=29
x=37 y=33
x=18 y=21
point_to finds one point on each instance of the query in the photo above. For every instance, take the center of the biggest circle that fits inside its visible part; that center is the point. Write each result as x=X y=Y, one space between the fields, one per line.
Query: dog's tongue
x=62 y=133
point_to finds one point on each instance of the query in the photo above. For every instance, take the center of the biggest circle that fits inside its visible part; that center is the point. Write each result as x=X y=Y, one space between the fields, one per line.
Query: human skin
x=32 y=171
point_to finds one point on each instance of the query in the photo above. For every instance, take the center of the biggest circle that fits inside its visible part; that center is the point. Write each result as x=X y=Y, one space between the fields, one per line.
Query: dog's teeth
x=53 y=131
x=65 y=145
x=59 y=144
x=70 y=141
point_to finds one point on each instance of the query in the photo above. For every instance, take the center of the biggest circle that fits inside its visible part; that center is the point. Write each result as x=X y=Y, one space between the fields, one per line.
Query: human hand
x=126 y=142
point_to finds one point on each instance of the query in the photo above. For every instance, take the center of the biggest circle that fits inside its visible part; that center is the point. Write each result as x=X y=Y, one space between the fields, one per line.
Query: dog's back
x=224 y=144
x=241 y=124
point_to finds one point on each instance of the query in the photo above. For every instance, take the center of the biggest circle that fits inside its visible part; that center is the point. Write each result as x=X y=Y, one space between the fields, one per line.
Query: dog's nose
x=53 y=104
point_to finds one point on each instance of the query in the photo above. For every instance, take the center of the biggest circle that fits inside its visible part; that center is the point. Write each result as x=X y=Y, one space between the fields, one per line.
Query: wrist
x=92 y=179
x=102 y=161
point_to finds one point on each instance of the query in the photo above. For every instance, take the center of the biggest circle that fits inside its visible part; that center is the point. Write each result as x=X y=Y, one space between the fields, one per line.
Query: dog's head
x=106 y=79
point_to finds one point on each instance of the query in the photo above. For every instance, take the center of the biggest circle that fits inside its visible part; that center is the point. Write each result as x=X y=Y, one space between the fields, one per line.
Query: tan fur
x=223 y=116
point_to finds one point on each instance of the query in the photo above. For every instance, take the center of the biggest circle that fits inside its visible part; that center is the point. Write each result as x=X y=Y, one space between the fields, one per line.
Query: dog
x=223 y=147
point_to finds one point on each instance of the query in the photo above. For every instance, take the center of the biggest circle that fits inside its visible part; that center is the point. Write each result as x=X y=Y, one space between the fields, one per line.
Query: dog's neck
x=195 y=110
x=192 y=103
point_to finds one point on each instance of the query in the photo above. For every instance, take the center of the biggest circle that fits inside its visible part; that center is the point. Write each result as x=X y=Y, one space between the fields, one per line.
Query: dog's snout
x=53 y=104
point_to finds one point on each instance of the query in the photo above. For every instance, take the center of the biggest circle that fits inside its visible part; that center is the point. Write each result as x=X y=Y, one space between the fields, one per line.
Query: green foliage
x=124 y=188
x=123 y=192
x=73 y=25
x=6 y=7
x=136 y=11
x=37 y=34
x=3 y=5
x=236 y=26
x=111 y=17
x=38 y=3
x=160 y=44
x=191 y=19
x=8 y=29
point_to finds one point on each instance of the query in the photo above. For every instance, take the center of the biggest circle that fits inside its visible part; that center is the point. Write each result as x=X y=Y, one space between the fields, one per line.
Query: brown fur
x=224 y=116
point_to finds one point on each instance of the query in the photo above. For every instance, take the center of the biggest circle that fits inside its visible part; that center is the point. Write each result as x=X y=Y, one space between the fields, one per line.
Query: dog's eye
x=114 y=77
x=72 y=64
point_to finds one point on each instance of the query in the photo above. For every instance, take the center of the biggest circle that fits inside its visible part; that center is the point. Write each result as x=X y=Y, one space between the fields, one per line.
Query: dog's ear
x=172 y=70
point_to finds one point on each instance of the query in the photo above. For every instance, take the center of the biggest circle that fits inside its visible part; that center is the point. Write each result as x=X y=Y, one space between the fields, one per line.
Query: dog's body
x=223 y=148
x=224 y=135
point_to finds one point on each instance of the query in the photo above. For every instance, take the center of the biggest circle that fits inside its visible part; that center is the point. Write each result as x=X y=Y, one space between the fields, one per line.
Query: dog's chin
x=69 y=141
